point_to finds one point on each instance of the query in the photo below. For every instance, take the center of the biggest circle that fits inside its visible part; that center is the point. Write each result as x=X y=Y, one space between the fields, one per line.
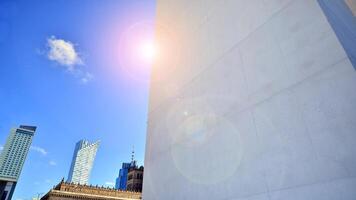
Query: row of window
x=135 y=176
x=15 y=156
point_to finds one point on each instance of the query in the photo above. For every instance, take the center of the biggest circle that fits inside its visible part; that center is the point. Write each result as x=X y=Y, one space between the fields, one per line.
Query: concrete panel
x=255 y=197
x=342 y=189
x=307 y=41
x=264 y=65
x=328 y=105
x=274 y=6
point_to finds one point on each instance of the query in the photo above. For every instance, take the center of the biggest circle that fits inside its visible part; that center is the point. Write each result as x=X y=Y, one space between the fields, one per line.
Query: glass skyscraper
x=82 y=162
x=121 y=181
x=12 y=158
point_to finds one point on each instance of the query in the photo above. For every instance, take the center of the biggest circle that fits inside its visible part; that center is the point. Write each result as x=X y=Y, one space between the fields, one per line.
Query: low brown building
x=71 y=191
x=135 y=179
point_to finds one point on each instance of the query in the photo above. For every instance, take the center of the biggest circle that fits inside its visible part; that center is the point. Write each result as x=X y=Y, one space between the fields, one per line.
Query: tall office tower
x=253 y=99
x=82 y=162
x=13 y=157
x=121 y=180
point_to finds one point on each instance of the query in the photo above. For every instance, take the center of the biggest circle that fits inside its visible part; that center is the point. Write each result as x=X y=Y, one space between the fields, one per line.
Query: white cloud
x=52 y=163
x=65 y=55
x=63 y=52
x=39 y=150
x=108 y=183
x=1 y=147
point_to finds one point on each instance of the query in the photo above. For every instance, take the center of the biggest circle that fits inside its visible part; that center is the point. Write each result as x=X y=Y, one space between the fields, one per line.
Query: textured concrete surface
x=250 y=100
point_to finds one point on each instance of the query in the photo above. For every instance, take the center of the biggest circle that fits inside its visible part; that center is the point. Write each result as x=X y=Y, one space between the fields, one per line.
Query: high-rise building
x=82 y=162
x=121 y=180
x=12 y=158
x=253 y=99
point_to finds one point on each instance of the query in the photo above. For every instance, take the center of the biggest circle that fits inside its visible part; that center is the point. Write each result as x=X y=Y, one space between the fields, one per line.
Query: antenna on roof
x=133 y=154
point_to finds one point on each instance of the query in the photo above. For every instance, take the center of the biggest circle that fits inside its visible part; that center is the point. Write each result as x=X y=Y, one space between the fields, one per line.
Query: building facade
x=252 y=100
x=71 y=191
x=82 y=162
x=12 y=158
x=121 y=180
x=135 y=179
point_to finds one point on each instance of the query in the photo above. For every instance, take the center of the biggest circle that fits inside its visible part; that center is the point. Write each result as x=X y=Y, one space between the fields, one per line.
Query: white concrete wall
x=250 y=99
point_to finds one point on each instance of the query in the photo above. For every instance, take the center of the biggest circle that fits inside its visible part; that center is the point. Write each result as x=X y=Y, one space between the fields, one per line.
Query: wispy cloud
x=52 y=163
x=86 y=78
x=109 y=183
x=65 y=54
x=1 y=147
x=39 y=150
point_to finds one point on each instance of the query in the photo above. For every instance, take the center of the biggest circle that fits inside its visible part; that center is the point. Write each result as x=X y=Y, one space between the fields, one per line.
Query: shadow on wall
x=341 y=15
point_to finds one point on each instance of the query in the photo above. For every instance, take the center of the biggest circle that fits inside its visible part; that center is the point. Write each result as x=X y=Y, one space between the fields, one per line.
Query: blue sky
x=61 y=70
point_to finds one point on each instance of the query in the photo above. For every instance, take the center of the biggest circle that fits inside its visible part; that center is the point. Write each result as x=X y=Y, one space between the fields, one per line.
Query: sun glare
x=148 y=51
x=140 y=49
